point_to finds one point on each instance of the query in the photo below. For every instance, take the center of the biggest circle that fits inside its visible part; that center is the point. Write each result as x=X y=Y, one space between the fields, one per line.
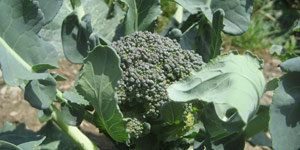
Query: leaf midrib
x=137 y=16
x=15 y=55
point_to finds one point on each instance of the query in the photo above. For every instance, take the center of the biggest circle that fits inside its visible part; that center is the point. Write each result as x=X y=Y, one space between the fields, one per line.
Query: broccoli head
x=150 y=63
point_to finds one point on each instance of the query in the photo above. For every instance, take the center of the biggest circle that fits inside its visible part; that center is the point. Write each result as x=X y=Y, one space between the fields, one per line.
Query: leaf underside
x=220 y=82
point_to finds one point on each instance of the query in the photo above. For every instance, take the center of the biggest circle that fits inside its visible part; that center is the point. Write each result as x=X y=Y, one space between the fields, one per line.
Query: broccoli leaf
x=102 y=25
x=141 y=15
x=282 y=53
x=271 y=85
x=216 y=39
x=8 y=146
x=72 y=114
x=22 y=51
x=258 y=123
x=75 y=35
x=50 y=8
x=97 y=83
x=291 y=65
x=41 y=93
x=284 y=113
x=55 y=139
x=20 y=136
x=74 y=97
x=220 y=82
x=237 y=12
x=172 y=112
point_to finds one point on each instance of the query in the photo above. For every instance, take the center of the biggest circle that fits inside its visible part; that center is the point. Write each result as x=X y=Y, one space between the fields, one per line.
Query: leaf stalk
x=73 y=132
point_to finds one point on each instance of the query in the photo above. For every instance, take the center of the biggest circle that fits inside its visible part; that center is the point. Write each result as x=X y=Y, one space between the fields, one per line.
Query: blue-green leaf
x=190 y=5
x=74 y=97
x=8 y=146
x=141 y=15
x=237 y=12
x=202 y=41
x=259 y=123
x=55 y=139
x=216 y=39
x=172 y=112
x=260 y=139
x=220 y=82
x=50 y=8
x=282 y=53
x=291 y=65
x=20 y=48
x=44 y=115
x=284 y=112
x=75 y=35
x=41 y=93
x=271 y=85
x=97 y=82
x=102 y=25
x=21 y=137
x=72 y=114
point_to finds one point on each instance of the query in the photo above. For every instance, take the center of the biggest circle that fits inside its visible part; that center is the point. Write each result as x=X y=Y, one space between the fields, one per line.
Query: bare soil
x=15 y=109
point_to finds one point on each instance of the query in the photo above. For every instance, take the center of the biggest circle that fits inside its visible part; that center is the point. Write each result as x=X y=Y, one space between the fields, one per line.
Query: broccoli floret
x=150 y=63
x=135 y=128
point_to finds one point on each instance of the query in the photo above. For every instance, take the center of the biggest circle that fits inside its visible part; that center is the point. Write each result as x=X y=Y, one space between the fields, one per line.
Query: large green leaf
x=141 y=15
x=75 y=36
x=237 y=12
x=229 y=81
x=97 y=83
x=284 y=112
x=102 y=25
x=21 y=50
x=197 y=33
x=50 y=8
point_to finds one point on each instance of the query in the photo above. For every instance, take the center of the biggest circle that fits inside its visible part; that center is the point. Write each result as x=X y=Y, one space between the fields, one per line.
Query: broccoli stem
x=72 y=131
x=76 y=4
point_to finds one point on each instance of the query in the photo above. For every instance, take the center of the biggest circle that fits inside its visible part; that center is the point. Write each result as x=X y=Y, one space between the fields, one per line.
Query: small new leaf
x=41 y=93
x=141 y=15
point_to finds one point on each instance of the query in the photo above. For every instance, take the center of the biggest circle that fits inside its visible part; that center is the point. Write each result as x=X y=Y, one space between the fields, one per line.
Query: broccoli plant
x=141 y=89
